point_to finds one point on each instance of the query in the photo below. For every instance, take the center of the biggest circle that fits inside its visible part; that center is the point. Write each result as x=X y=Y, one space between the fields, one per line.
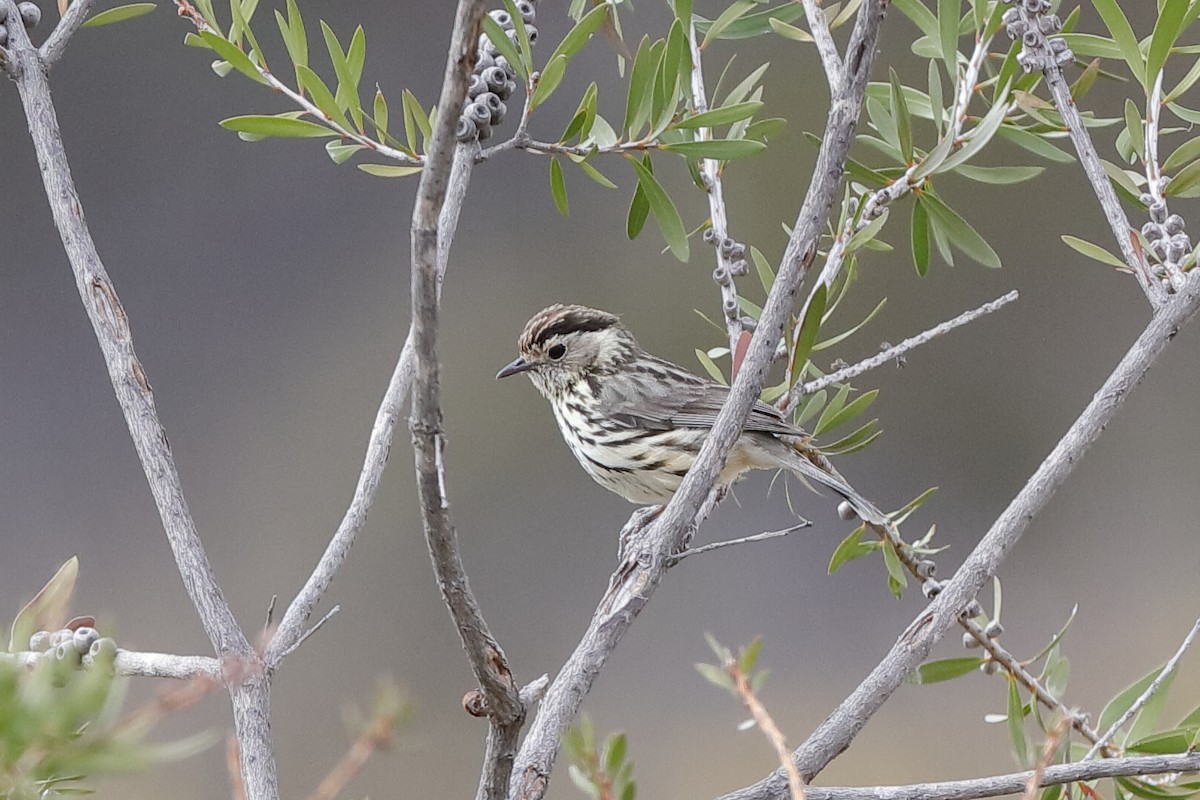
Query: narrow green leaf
x=756 y=24
x=522 y=34
x=903 y=119
x=380 y=113
x=558 y=187
x=900 y=515
x=664 y=210
x=297 y=40
x=504 y=46
x=1093 y=251
x=921 y=16
x=946 y=669
x=639 y=210
x=320 y=94
x=641 y=82
x=596 y=175
x=1178 y=740
x=1183 y=155
x=240 y=61
x=790 y=31
x=1166 y=31
x=415 y=116
x=579 y=35
x=719 y=116
x=347 y=89
x=721 y=149
x=851 y=412
x=1118 y=26
x=1134 y=129
x=119 y=14
x=999 y=175
x=341 y=153
x=920 y=238
x=48 y=608
x=936 y=104
x=1185 y=83
x=949 y=12
x=763 y=130
x=1124 y=700
x=806 y=332
x=961 y=234
x=285 y=127
x=980 y=135
x=1035 y=144
x=1186 y=182
x=897 y=580
x=552 y=76
x=1086 y=80
x=726 y=18
x=850 y=549
x=710 y=367
x=1016 y=725
x=854 y=442
x=389 y=170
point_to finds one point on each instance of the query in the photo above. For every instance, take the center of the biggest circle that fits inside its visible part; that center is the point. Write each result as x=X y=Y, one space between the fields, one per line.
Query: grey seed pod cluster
x=31 y=14
x=492 y=82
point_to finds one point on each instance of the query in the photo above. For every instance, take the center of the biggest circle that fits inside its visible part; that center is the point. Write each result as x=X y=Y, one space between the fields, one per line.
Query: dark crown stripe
x=572 y=320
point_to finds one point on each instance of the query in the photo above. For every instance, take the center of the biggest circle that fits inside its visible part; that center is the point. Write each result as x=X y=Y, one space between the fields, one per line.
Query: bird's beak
x=518 y=365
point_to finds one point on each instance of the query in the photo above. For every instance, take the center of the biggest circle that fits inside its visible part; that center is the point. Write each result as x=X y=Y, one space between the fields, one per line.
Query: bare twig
x=767 y=725
x=835 y=734
x=826 y=47
x=56 y=43
x=378 y=734
x=1048 y=750
x=132 y=388
x=1167 y=671
x=758 y=537
x=640 y=576
x=1015 y=783
x=488 y=663
x=884 y=356
x=710 y=171
x=145 y=665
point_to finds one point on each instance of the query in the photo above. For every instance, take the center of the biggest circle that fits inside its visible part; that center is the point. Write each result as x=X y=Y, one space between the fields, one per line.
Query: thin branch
x=488 y=662
x=637 y=579
x=1049 y=748
x=376 y=735
x=767 y=725
x=304 y=636
x=1089 y=160
x=1015 y=783
x=137 y=664
x=758 y=537
x=1167 y=671
x=835 y=734
x=56 y=43
x=710 y=171
x=884 y=356
x=826 y=47
x=291 y=627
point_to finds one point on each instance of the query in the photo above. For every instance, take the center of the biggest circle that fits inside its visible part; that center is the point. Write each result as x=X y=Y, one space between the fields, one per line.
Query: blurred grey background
x=268 y=294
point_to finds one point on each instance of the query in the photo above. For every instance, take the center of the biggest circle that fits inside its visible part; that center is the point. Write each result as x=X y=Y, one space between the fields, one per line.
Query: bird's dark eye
x=557 y=351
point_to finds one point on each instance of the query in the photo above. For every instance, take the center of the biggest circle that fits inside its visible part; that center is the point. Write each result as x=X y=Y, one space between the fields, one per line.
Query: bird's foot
x=631 y=534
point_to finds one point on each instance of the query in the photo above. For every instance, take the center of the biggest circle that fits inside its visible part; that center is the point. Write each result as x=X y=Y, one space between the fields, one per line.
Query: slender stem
x=1163 y=676
x=836 y=733
x=138 y=664
x=826 y=47
x=766 y=724
x=56 y=43
x=758 y=537
x=884 y=356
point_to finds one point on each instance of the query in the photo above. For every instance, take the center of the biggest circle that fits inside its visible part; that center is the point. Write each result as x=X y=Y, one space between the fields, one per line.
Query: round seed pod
x=931 y=588
x=490 y=101
x=527 y=11
x=83 y=639
x=1030 y=38
x=926 y=568
x=486 y=46
x=1158 y=211
x=993 y=629
x=510 y=87
x=1174 y=224
x=969 y=641
x=502 y=91
x=730 y=307
x=485 y=131
x=479 y=113
x=465 y=130
x=1159 y=247
x=495 y=78
x=39 y=641
x=846 y=512
x=1058 y=45
x=1176 y=250
x=59 y=636
x=721 y=276
x=66 y=653
x=709 y=236
x=1016 y=29
x=3 y=12
x=103 y=647
x=1049 y=24
x=1010 y=16
x=476 y=87
x=739 y=268
x=3 y=34
x=532 y=32
x=31 y=14
x=973 y=609
x=988 y=667
x=1033 y=6
x=502 y=17
x=483 y=61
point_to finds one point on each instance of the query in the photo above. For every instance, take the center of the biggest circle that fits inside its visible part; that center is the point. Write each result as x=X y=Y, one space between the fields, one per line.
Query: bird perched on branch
x=636 y=422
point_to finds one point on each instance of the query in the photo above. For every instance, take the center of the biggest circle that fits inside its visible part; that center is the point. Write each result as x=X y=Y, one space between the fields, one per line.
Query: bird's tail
x=811 y=465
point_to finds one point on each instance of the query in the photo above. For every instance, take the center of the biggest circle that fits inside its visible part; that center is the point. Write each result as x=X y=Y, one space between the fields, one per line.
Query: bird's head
x=562 y=345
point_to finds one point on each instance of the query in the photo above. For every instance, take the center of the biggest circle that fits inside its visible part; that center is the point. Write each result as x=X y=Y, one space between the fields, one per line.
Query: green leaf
x=522 y=34
x=750 y=25
x=296 y=40
x=558 y=187
x=641 y=84
x=1186 y=182
x=806 y=332
x=948 y=15
x=504 y=45
x=980 y=135
x=551 y=77
x=614 y=752
x=855 y=442
x=380 y=113
x=320 y=94
x=639 y=210
x=1016 y=725
x=902 y=117
x=1086 y=80
x=961 y=234
x=239 y=60
x=790 y=31
x=765 y=129
x=596 y=175
x=850 y=549
x=389 y=170
x=999 y=175
x=1166 y=31
x=415 y=115
x=1185 y=83
x=727 y=17
x=900 y=515
x=1178 y=740
x=1134 y=129
x=945 y=670
x=920 y=14
x=1124 y=700
x=119 y=14
x=1093 y=251
x=920 y=238
x=1118 y=26
x=664 y=210
x=284 y=127
x=1183 y=155
x=897 y=580
x=347 y=89
x=579 y=35
x=48 y=608
x=720 y=116
x=1035 y=144
x=341 y=153
x=720 y=149
x=852 y=411
x=716 y=676
x=936 y=104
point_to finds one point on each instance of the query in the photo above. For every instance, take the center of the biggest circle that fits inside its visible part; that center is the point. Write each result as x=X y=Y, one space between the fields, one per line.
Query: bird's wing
x=661 y=395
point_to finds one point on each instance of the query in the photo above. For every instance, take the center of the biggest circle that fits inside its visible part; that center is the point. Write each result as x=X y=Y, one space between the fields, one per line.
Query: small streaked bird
x=635 y=421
